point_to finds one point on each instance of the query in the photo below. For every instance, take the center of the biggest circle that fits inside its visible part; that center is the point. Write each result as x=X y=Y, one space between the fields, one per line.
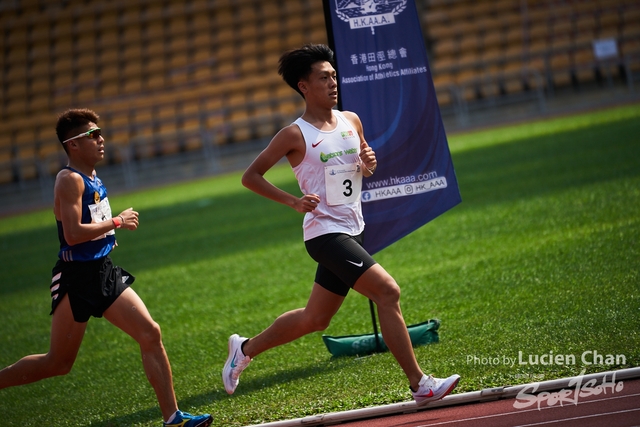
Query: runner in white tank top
x=329 y=155
x=332 y=169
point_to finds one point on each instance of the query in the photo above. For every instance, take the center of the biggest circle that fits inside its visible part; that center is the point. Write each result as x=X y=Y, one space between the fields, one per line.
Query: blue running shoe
x=184 y=419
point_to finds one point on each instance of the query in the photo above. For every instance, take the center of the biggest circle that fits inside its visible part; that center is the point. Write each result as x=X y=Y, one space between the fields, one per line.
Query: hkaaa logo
x=369 y=13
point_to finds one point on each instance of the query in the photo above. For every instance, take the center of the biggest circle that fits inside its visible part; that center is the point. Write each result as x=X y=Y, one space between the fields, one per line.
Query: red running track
x=610 y=399
x=616 y=408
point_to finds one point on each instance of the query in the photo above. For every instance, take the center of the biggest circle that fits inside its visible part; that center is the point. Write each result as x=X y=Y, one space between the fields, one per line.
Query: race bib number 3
x=343 y=183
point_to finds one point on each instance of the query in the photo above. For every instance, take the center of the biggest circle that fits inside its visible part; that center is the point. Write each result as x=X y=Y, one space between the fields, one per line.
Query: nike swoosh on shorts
x=360 y=264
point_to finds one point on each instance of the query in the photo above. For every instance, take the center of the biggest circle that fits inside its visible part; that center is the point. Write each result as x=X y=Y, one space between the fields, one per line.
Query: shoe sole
x=434 y=398
x=229 y=388
x=206 y=423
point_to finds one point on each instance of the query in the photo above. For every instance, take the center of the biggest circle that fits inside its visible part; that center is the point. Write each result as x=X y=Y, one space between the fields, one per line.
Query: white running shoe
x=430 y=388
x=235 y=364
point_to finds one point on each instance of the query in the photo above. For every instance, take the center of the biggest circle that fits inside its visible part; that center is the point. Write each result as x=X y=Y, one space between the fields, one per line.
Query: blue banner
x=384 y=77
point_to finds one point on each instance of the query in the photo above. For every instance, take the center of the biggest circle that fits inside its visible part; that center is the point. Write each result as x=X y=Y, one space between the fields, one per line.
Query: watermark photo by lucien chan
x=588 y=357
x=578 y=387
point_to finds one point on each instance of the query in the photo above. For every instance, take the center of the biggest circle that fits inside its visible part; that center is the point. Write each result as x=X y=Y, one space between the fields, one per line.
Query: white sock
x=172 y=417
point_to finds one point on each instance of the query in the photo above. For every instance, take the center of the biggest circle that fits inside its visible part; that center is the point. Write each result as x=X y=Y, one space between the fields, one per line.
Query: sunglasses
x=91 y=133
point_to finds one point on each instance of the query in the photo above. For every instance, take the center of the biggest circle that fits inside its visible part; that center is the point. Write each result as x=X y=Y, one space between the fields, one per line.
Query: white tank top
x=331 y=168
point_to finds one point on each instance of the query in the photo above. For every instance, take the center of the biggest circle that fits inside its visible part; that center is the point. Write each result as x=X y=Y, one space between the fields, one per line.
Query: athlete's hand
x=368 y=157
x=129 y=219
x=307 y=203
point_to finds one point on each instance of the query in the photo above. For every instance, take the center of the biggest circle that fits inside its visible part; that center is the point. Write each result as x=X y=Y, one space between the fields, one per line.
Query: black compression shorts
x=341 y=261
x=92 y=286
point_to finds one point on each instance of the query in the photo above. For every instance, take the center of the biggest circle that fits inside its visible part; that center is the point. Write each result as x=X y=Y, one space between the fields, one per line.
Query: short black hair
x=71 y=120
x=295 y=65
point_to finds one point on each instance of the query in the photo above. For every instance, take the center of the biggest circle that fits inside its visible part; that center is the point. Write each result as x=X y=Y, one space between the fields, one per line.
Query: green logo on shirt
x=325 y=157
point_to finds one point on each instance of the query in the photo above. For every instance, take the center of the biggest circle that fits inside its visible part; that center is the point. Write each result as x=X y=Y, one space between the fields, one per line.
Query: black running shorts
x=92 y=286
x=341 y=261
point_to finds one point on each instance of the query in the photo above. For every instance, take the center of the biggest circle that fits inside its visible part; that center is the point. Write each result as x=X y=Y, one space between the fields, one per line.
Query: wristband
x=116 y=222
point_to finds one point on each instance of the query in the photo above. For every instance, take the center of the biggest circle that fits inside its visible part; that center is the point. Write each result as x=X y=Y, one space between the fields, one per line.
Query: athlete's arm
x=367 y=155
x=287 y=143
x=68 y=191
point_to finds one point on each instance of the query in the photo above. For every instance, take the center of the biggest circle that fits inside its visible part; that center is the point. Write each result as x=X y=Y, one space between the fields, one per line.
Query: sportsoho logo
x=369 y=13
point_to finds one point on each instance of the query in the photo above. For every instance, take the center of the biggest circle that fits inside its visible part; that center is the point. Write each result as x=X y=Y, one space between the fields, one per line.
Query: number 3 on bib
x=343 y=183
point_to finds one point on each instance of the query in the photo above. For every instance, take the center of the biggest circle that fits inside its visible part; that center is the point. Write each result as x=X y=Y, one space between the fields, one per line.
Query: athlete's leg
x=316 y=316
x=377 y=285
x=129 y=313
x=66 y=337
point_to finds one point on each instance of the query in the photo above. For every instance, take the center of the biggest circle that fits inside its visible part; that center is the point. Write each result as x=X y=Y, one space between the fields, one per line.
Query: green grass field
x=541 y=257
